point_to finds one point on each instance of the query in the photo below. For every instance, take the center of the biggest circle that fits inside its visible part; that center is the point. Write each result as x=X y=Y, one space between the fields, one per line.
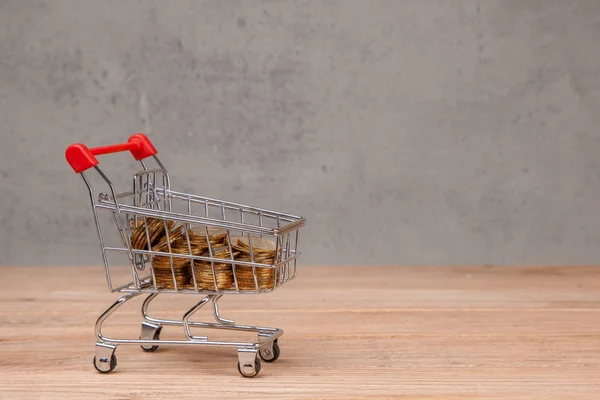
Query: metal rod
x=216 y=312
x=189 y=313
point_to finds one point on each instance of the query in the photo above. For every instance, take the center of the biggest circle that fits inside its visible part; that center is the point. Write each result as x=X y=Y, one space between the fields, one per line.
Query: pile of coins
x=196 y=242
x=198 y=245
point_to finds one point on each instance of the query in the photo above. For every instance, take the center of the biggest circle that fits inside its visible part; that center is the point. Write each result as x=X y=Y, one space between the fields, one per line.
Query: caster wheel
x=150 y=349
x=104 y=366
x=272 y=354
x=250 y=374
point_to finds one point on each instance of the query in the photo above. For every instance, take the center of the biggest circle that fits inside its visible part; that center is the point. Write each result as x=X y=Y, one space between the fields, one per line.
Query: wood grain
x=351 y=332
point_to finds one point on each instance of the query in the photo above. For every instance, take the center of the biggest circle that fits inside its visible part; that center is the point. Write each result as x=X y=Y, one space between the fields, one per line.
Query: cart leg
x=105 y=360
x=186 y=318
x=150 y=329
x=216 y=312
x=248 y=362
x=145 y=305
x=150 y=332
x=108 y=313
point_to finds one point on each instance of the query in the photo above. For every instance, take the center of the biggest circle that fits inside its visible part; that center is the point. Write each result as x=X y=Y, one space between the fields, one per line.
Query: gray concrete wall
x=406 y=132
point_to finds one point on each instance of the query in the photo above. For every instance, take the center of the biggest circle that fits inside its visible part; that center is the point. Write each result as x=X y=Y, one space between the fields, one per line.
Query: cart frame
x=152 y=198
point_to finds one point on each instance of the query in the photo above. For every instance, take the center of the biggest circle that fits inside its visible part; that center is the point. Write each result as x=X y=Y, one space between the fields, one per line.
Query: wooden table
x=351 y=332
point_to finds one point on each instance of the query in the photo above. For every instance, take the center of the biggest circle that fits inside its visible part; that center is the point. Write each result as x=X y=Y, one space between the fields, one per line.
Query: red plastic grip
x=81 y=158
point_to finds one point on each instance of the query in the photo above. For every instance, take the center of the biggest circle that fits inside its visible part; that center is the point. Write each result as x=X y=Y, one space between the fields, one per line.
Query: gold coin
x=215 y=235
x=258 y=244
x=156 y=229
x=162 y=244
x=233 y=240
x=137 y=236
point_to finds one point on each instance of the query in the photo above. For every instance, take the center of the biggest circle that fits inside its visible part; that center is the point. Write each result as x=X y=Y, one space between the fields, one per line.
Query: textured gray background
x=406 y=132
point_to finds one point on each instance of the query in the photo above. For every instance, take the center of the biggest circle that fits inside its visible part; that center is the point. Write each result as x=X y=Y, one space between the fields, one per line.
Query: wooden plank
x=351 y=332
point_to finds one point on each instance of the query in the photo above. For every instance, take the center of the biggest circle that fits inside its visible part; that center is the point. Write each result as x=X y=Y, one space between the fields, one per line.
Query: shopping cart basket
x=174 y=242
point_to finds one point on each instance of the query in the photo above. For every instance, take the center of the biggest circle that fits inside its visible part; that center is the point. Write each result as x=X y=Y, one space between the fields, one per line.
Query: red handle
x=81 y=158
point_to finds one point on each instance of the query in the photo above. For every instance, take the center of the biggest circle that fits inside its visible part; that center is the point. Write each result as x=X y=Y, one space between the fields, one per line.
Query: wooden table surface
x=351 y=332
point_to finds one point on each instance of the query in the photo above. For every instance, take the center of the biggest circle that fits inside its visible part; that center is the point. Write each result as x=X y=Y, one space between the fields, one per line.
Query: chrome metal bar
x=233 y=265
x=145 y=305
x=166 y=182
x=189 y=313
x=253 y=263
x=216 y=312
x=248 y=209
x=99 y=231
x=193 y=219
x=170 y=254
x=148 y=202
x=205 y=258
x=210 y=253
x=180 y=342
x=155 y=192
x=187 y=236
x=213 y=325
x=121 y=222
x=108 y=313
x=295 y=254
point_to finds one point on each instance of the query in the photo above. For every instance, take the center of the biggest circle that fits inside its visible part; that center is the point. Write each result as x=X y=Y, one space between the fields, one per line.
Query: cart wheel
x=247 y=371
x=270 y=354
x=104 y=366
x=150 y=349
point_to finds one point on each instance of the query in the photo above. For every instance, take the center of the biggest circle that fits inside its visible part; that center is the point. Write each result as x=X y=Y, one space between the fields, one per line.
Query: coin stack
x=202 y=238
x=263 y=252
x=181 y=266
x=223 y=273
x=179 y=269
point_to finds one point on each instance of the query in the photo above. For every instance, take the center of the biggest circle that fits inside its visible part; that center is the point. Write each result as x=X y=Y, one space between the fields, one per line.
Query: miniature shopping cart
x=132 y=220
